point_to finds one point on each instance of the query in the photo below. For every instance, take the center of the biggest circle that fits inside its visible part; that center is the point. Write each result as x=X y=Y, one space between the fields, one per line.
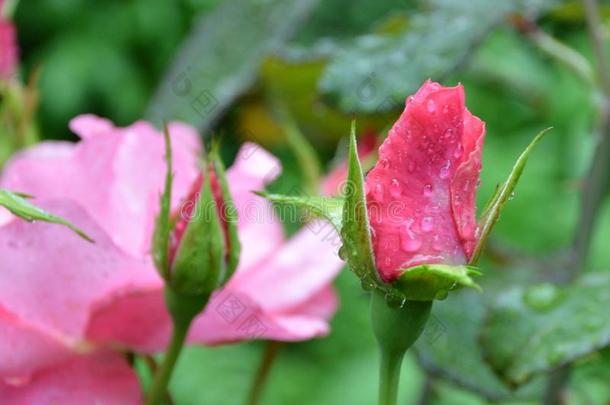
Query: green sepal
x=327 y=208
x=228 y=213
x=434 y=281
x=161 y=234
x=493 y=209
x=357 y=247
x=17 y=204
x=199 y=265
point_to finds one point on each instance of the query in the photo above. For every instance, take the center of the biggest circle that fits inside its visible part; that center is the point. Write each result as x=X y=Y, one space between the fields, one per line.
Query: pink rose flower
x=8 y=47
x=64 y=302
x=421 y=194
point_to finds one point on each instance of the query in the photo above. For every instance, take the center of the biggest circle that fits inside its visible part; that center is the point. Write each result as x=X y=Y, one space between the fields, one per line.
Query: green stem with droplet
x=396 y=329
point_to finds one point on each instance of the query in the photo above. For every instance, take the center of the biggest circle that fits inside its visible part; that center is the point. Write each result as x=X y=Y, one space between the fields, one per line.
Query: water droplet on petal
x=427 y=224
x=408 y=240
x=444 y=173
x=458 y=151
x=431 y=106
x=395 y=188
x=385 y=163
x=427 y=190
x=411 y=166
x=378 y=191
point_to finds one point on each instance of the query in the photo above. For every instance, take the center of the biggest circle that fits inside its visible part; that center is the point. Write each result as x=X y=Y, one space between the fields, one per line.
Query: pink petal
x=103 y=378
x=52 y=278
x=304 y=265
x=102 y=174
x=412 y=200
x=24 y=348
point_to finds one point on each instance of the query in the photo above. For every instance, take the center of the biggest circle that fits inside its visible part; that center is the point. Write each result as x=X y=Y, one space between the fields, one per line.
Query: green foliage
x=376 y=72
x=538 y=328
x=18 y=205
x=219 y=61
x=328 y=208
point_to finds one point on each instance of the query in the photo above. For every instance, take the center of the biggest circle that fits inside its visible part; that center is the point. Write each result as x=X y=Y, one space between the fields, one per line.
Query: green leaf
x=19 y=206
x=502 y=195
x=541 y=327
x=162 y=230
x=228 y=213
x=305 y=153
x=434 y=281
x=377 y=71
x=199 y=265
x=328 y=208
x=449 y=348
x=220 y=58
x=357 y=248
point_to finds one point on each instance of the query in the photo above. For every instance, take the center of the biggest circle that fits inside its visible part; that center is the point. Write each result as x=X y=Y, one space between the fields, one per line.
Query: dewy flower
x=421 y=193
x=65 y=302
x=8 y=47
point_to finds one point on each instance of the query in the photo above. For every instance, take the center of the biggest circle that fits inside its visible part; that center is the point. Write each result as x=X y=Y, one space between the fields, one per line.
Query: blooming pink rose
x=62 y=300
x=421 y=194
x=8 y=47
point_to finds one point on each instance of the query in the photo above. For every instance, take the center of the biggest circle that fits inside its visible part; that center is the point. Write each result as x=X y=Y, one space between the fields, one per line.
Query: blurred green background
x=230 y=66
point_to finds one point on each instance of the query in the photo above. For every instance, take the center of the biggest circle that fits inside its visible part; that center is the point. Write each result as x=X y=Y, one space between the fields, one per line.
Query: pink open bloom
x=8 y=47
x=421 y=194
x=65 y=302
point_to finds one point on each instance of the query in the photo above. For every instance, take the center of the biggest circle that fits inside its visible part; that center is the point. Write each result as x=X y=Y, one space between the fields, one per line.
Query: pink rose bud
x=421 y=194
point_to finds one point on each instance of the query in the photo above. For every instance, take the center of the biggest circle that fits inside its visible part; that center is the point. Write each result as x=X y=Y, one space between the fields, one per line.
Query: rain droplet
x=378 y=191
x=395 y=188
x=343 y=252
x=411 y=166
x=542 y=297
x=427 y=190
x=444 y=173
x=387 y=261
x=385 y=163
x=431 y=106
x=395 y=299
x=368 y=284
x=427 y=224
x=408 y=242
x=458 y=151
x=511 y=196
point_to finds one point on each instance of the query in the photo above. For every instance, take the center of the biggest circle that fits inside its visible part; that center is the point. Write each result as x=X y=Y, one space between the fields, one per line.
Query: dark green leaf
x=22 y=208
x=328 y=208
x=449 y=348
x=220 y=58
x=502 y=195
x=378 y=71
x=162 y=230
x=538 y=328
